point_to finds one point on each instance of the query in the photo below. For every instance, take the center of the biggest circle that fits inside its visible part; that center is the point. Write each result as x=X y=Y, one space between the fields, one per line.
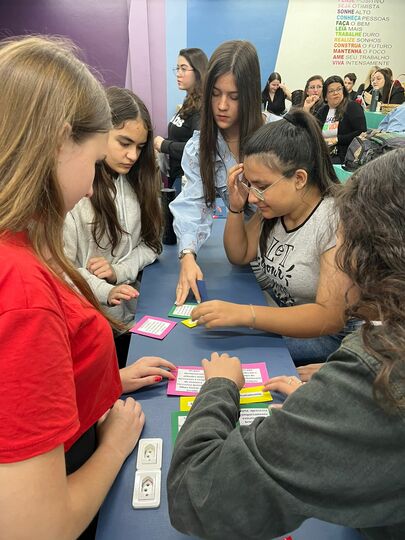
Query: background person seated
x=274 y=95
x=389 y=92
x=312 y=99
x=349 y=81
x=365 y=88
x=340 y=118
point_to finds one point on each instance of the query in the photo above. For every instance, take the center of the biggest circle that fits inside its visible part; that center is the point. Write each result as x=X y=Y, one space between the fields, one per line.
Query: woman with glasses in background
x=287 y=173
x=312 y=99
x=340 y=118
x=190 y=74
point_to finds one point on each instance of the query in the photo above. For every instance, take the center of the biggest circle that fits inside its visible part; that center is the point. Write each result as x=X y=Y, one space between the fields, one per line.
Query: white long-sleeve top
x=130 y=256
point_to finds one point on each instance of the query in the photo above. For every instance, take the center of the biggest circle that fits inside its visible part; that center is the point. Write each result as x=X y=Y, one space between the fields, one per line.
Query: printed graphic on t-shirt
x=279 y=272
x=177 y=121
x=330 y=127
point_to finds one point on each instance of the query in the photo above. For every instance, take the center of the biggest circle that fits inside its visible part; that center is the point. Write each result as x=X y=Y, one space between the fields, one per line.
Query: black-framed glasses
x=336 y=90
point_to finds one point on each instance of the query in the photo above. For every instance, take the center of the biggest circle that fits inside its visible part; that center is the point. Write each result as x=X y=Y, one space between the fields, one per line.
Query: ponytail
x=295 y=142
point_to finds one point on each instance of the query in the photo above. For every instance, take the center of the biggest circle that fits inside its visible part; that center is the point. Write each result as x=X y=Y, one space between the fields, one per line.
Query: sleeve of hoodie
x=72 y=238
x=127 y=270
x=263 y=480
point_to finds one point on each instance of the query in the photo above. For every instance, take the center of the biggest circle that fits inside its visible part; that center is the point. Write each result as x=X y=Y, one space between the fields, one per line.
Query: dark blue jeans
x=316 y=350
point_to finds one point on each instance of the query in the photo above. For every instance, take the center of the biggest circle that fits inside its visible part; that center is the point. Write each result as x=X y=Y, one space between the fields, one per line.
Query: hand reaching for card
x=224 y=366
x=145 y=371
x=218 y=313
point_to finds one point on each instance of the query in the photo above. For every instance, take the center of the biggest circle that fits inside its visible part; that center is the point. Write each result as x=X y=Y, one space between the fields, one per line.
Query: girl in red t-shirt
x=58 y=365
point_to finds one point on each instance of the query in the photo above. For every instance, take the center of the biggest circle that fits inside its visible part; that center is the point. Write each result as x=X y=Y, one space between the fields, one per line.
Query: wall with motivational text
x=333 y=37
x=298 y=38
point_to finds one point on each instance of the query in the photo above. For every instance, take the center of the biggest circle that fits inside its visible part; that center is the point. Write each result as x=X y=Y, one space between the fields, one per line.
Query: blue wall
x=210 y=22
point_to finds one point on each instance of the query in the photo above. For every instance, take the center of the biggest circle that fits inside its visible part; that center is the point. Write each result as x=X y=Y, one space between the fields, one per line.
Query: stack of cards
x=182 y=312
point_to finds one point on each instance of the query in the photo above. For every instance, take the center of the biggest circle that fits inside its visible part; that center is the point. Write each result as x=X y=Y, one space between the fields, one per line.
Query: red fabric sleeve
x=38 y=409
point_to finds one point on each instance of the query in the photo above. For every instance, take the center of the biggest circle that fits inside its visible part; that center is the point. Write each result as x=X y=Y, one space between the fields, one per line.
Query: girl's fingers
x=166 y=363
x=147 y=381
x=117 y=297
x=234 y=173
x=283 y=383
x=196 y=293
x=133 y=293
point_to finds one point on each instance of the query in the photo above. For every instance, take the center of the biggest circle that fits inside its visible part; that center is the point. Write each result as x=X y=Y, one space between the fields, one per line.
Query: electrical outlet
x=149 y=454
x=147 y=489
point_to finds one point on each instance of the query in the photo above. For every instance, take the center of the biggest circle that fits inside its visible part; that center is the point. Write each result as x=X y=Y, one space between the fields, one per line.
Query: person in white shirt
x=111 y=236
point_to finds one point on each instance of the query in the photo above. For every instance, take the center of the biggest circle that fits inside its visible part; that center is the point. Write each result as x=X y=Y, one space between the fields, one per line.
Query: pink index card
x=153 y=327
x=255 y=374
x=189 y=379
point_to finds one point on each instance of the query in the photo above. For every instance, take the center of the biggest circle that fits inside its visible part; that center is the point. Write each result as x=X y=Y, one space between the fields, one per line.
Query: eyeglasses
x=319 y=87
x=336 y=91
x=258 y=193
x=181 y=69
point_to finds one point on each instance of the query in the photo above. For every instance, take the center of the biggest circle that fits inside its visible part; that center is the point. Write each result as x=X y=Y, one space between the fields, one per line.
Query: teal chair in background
x=373 y=119
x=341 y=173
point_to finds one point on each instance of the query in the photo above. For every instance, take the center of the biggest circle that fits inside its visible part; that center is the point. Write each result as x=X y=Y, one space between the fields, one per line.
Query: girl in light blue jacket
x=231 y=111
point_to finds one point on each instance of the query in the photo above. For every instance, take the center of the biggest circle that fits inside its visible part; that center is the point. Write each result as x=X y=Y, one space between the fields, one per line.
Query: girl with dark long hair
x=288 y=175
x=231 y=112
x=390 y=91
x=274 y=95
x=115 y=233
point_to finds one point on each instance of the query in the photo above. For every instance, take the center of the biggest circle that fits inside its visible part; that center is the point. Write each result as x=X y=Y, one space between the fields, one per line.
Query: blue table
x=184 y=346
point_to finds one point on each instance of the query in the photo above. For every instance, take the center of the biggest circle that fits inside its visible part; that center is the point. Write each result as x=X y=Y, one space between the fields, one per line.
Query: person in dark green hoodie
x=335 y=450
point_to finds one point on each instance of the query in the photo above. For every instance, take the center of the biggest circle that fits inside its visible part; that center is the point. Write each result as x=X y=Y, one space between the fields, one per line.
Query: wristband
x=235 y=211
x=252 y=327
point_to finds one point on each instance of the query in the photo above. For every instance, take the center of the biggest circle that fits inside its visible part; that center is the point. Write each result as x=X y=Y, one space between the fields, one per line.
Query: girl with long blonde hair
x=58 y=363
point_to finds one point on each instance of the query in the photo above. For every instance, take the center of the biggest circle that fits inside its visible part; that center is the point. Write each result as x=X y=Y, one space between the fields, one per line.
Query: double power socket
x=148 y=474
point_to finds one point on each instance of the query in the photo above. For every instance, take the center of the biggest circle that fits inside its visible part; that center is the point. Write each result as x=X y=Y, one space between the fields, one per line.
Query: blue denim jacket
x=192 y=218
